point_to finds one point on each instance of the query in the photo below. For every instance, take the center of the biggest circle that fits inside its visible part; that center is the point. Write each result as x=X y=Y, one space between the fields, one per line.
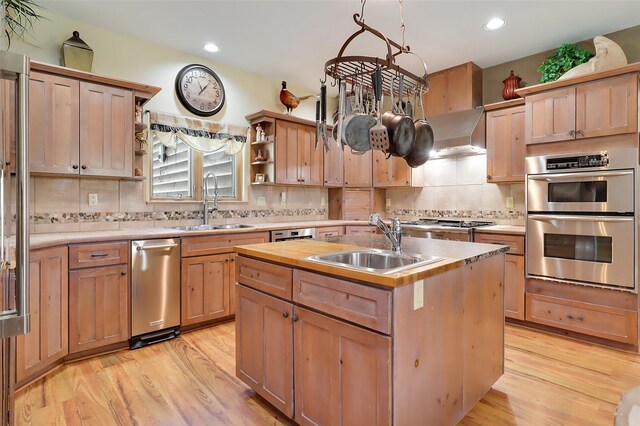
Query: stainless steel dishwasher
x=155 y=291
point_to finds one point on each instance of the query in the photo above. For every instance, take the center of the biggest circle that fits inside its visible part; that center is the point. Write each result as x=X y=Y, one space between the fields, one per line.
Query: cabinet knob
x=572 y=133
x=123 y=273
x=285 y=314
x=8 y=163
x=83 y=167
x=294 y=318
x=579 y=133
x=74 y=167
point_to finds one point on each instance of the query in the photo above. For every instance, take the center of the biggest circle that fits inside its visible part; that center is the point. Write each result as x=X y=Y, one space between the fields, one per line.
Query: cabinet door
x=264 y=347
x=53 y=124
x=333 y=165
x=343 y=372
x=357 y=169
x=390 y=172
x=310 y=167
x=98 y=307
x=607 y=107
x=435 y=100
x=47 y=342
x=550 y=116
x=287 y=153
x=505 y=145
x=205 y=288
x=106 y=131
x=514 y=286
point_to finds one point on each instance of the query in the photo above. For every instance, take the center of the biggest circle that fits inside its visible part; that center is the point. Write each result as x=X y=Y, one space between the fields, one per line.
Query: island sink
x=374 y=260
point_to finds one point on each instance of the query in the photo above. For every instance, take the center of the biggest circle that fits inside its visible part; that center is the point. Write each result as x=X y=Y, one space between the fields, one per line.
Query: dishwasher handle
x=158 y=247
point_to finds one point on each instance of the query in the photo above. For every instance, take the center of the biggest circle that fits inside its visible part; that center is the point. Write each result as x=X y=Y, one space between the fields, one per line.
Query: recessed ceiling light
x=210 y=47
x=494 y=24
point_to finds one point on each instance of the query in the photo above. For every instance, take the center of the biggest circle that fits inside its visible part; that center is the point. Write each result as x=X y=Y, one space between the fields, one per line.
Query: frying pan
x=400 y=126
x=423 y=142
x=356 y=127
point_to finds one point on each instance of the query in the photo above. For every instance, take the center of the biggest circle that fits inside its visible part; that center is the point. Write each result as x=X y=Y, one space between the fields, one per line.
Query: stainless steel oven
x=582 y=218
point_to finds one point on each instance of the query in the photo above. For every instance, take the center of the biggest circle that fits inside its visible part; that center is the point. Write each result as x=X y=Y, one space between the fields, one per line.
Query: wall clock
x=200 y=90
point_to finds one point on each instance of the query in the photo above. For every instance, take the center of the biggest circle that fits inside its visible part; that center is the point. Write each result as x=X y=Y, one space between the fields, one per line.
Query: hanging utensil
x=400 y=126
x=378 y=136
x=323 y=116
x=342 y=89
x=356 y=131
x=317 y=121
x=423 y=142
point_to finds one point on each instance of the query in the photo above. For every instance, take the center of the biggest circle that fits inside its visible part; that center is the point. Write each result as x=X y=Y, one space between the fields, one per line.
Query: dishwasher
x=155 y=291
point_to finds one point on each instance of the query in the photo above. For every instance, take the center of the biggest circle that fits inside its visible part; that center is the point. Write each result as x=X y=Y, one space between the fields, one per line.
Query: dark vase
x=511 y=84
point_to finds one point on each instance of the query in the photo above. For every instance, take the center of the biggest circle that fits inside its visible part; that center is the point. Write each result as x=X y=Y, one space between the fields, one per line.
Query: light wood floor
x=191 y=380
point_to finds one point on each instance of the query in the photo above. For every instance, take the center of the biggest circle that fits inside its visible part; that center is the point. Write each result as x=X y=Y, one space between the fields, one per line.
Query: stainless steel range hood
x=459 y=133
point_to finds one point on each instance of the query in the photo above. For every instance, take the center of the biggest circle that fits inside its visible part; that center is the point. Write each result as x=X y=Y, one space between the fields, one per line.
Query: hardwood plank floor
x=191 y=380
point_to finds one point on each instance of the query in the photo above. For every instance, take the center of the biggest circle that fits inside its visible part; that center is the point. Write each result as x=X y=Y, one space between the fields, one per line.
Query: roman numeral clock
x=200 y=90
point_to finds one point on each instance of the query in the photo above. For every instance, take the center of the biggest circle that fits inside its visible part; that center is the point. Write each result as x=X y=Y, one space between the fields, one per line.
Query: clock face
x=200 y=90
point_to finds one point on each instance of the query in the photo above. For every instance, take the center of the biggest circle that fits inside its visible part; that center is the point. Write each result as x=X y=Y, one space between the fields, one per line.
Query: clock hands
x=205 y=86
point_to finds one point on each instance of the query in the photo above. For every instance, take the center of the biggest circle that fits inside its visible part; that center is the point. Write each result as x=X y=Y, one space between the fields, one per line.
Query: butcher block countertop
x=293 y=253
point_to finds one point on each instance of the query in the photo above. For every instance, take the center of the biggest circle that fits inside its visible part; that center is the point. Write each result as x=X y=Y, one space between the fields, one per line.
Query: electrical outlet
x=93 y=200
x=509 y=202
x=388 y=202
x=261 y=201
x=283 y=197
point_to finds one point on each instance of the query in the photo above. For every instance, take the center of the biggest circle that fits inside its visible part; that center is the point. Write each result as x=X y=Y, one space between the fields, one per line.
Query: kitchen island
x=329 y=345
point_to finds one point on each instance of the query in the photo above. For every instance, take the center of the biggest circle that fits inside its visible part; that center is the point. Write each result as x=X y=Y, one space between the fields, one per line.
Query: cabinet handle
x=572 y=133
x=294 y=318
x=285 y=314
x=74 y=167
x=581 y=318
x=8 y=163
x=83 y=167
x=123 y=273
x=99 y=254
x=579 y=133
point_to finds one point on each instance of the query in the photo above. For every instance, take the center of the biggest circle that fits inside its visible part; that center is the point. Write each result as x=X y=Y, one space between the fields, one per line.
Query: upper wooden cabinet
x=357 y=169
x=597 y=108
x=296 y=160
x=394 y=171
x=334 y=165
x=81 y=124
x=455 y=89
x=505 y=145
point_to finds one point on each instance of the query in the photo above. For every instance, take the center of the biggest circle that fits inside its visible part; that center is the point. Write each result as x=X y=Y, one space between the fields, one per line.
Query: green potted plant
x=18 y=17
x=566 y=57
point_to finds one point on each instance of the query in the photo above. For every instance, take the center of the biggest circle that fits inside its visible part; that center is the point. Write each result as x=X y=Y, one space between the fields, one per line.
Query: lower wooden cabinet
x=206 y=288
x=345 y=382
x=48 y=340
x=329 y=231
x=514 y=286
x=264 y=346
x=98 y=307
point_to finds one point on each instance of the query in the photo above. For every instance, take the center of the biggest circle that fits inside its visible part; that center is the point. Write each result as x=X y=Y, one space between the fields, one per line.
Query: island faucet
x=394 y=234
x=205 y=196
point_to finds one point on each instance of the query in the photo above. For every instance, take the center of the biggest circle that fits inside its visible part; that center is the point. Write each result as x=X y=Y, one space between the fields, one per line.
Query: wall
x=492 y=77
x=61 y=204
x=456 y=187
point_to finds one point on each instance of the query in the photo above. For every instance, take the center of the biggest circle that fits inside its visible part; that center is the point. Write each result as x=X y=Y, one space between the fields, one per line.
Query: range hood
x=459 y=133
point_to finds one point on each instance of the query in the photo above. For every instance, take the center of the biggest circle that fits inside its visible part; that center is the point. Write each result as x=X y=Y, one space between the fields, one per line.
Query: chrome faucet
x=394 y=234
x=205 y=196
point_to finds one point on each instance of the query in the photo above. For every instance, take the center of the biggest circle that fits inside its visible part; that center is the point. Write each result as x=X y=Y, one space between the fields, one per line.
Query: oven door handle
x=580 y=175
x=575 y=218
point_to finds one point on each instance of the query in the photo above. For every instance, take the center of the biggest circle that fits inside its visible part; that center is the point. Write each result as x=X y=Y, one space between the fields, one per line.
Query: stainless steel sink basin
x=374 y=260
x=212 y=227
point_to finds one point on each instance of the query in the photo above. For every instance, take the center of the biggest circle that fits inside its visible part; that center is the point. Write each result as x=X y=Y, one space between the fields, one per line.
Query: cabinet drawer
x=218 y=244
x=515 y=242
x=101 y=254
x=360 y=304
x=329 y=231
x=263 y=276
x=588 y=318
x=356 y=229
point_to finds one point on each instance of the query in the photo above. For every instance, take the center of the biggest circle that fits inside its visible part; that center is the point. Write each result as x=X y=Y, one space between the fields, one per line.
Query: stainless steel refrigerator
x=14 y=218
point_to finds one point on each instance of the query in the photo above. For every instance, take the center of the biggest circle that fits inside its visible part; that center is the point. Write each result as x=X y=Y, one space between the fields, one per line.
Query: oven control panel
x=578 y=162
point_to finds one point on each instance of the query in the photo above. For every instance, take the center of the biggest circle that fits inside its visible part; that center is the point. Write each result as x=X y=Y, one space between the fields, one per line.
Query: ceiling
x=292 y=39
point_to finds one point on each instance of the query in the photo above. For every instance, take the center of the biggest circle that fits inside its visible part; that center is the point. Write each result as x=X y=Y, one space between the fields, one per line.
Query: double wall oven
x=582 y=218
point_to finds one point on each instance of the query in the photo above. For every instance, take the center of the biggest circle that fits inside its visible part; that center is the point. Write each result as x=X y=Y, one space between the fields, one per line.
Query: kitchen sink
x=212 y=227
x=374 y=260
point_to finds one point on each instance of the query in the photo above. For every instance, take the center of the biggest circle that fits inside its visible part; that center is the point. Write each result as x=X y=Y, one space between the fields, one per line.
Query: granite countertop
x=38 y=241
x=293 y=253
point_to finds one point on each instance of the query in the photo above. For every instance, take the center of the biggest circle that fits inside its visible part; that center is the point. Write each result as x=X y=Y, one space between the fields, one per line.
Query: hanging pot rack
x=358 y=69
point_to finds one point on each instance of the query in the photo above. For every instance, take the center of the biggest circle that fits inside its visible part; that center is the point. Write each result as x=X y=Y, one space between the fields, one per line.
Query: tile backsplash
x=62 y=205
x=456 y=187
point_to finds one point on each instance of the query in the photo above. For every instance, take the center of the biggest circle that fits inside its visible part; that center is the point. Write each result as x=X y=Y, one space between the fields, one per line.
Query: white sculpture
x=608 y=55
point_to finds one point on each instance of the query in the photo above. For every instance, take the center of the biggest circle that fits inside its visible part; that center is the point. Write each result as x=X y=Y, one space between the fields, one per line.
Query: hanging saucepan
x=356 y=128
x=423 y=142
x=399 y=126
